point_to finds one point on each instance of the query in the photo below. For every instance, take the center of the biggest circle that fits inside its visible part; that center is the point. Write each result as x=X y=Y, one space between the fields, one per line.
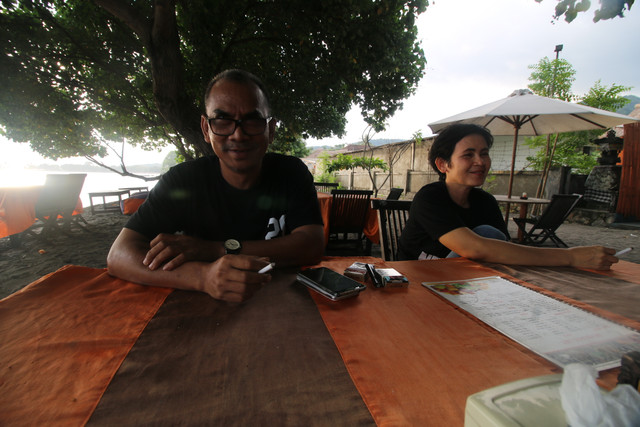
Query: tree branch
x=123 y=172
x=130 y=17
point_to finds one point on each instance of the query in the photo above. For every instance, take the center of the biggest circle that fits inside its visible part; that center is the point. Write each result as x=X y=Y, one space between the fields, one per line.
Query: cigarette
x=622 y=252
x=267 y=268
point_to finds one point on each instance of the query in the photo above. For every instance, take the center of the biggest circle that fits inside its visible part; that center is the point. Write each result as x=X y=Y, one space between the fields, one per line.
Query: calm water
x=94 y=182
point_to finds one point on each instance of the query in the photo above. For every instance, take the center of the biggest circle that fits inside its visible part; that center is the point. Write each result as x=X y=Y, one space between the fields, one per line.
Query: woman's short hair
x=445 y=143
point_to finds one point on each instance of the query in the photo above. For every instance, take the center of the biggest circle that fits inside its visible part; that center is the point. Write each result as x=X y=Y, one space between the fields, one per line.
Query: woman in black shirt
x=453 y=216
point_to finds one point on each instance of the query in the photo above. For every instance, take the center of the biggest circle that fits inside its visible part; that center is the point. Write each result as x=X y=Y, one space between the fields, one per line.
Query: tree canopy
x=78 y=73
x=608 y=9
x=554 y=78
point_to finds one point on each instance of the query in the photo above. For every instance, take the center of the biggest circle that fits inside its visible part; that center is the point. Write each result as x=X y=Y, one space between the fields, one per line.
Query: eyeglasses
x=226 y=127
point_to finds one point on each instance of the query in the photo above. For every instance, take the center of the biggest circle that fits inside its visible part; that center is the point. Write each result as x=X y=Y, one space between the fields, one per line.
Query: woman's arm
x=468 y=244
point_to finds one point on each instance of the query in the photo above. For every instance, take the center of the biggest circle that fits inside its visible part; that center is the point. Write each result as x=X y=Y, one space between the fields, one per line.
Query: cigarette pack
x=392 y=277
x=357 y=271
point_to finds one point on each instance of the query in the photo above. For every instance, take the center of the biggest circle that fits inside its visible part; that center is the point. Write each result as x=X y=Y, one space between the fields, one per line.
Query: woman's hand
x=594 y=257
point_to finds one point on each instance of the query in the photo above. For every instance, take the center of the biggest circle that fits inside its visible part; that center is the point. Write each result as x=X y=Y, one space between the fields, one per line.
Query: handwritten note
x=553 y=329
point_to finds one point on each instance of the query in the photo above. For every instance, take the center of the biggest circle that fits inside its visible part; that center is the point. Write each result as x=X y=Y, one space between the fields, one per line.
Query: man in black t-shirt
x=213 y=223
x=194 y=199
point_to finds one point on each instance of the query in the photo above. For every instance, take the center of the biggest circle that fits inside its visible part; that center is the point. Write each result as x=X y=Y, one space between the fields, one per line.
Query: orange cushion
x=131 y=205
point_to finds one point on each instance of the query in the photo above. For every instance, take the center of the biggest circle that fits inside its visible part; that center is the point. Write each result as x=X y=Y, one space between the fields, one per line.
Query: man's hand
x=234 y=278
x=593 y=257
x=172 y=250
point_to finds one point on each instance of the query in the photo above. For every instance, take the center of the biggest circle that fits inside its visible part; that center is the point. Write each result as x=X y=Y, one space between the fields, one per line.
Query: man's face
x=240 y=154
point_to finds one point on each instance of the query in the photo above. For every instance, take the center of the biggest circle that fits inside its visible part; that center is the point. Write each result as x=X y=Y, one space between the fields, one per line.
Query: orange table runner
x=46 y=340
x=371 y=228
x=414 y=357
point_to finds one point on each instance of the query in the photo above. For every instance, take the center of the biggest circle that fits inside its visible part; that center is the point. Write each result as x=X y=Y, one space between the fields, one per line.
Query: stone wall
x=411 y=171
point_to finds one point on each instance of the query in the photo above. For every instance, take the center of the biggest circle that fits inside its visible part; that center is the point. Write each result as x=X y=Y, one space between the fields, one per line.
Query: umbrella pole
x=513 y=163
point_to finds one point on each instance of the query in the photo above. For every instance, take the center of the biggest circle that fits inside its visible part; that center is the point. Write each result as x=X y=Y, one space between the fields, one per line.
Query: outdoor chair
x=325 y=187
x=394 y=193
x=544 y=226
x=347 y=219
x=392 y=217
x=57 y=202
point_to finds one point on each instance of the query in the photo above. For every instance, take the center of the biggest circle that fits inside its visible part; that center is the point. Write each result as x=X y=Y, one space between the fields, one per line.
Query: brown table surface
x=503 y=198
x=81 y=346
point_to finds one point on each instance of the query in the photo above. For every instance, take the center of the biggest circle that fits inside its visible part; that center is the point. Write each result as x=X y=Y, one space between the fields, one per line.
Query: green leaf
x=80 y=73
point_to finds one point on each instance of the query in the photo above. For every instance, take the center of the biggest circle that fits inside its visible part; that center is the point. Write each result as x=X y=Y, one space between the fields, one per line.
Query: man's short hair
x=240 y=76
x=445 y=143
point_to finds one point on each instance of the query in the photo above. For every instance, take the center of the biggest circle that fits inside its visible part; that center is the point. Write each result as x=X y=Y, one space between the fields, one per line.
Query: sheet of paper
x=555 y=330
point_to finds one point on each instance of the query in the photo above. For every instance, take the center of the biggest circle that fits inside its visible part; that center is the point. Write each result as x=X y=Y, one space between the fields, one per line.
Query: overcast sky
x=478 y=51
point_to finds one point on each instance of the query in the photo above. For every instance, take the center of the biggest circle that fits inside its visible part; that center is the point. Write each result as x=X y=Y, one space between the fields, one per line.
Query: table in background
x=136 y=189
x=80 y=345
x=523 y=204
x=371 y=227
x=104 y=195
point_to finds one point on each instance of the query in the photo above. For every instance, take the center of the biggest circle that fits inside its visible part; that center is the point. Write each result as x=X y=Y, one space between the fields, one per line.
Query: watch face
x=232 y=246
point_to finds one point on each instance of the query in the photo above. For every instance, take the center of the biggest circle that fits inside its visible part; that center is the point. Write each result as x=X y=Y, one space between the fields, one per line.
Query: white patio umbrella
x=523 y=113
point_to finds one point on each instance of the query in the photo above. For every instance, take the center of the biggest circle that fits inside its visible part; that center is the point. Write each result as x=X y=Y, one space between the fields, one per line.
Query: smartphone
x=327 y=282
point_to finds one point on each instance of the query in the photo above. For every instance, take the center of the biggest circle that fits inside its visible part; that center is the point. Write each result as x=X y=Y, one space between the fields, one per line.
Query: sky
x=478 y=51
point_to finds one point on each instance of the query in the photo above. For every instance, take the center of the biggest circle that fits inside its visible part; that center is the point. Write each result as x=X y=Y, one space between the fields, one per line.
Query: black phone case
x=327 y=282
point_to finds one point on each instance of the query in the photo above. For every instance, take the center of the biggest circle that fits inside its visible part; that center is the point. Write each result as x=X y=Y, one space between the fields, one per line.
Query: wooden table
x=524 y=206
x=130 y=189
x=104 y=195
x=80 y=346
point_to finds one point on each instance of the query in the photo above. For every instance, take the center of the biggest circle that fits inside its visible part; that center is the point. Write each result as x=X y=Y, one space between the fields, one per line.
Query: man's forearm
x=125 y=261
x=305 y=246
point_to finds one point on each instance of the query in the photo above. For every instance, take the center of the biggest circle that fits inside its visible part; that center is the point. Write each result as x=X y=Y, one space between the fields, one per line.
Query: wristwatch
x=232 y=246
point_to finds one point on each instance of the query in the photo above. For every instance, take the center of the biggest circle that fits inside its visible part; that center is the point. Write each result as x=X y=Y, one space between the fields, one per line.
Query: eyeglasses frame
x=238 y=123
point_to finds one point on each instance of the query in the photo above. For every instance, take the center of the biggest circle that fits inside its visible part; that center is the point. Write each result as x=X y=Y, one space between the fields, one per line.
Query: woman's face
x=469 y=164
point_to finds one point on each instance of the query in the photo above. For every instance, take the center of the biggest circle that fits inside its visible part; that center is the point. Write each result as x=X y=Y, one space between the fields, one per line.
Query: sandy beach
x=36 y=257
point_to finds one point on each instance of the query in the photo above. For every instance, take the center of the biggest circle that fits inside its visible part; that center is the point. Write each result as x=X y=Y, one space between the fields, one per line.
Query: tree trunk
x=544 y=167
x=159 y=34
x=553 y=152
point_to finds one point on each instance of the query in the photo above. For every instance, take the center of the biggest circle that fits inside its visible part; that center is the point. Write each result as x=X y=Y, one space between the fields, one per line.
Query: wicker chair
x=325 y=187
x=347 y=219
x=392 y=217
x=57 y=202
x=544 y=226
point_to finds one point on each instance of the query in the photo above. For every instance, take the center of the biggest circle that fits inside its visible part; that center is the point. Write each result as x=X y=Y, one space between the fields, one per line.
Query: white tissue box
x=529 y=402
